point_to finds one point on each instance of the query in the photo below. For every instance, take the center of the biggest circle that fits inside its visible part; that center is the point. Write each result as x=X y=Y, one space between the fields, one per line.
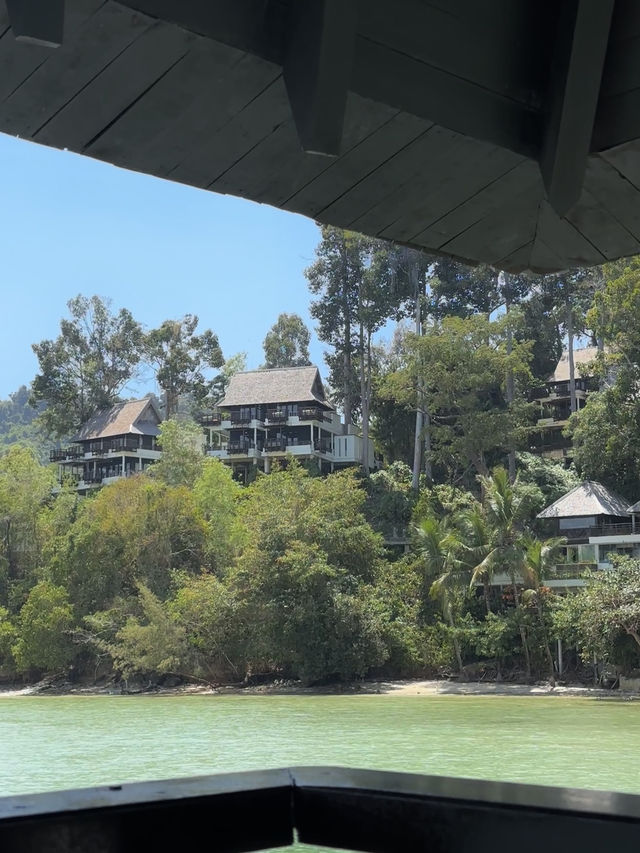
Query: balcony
x=312 y=413
x=323 y=445
x=341 y=808
x=275 y=445
x=211 y=419
x=276 y=416
x=239 y=448
x=563 y=571
x=65 y=453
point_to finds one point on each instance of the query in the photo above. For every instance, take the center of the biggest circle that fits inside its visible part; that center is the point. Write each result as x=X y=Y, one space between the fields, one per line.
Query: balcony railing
x=65 y=453
x=562 y=571
x=341 y=808
x=239 y=447
x=211 y=419
x=312 y=413
x=323 y=445
x=624 y=529
x=272 y=445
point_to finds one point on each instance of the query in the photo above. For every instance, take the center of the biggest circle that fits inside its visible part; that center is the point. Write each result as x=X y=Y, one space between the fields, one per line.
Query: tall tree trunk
x=365 y=393
x=455 y=640
x=487 y=599
x=171 y=399
x=346 y=355
x=547 y=647
x=510 y=389
x=572 y=367
x=427 y=467
x=521 y=627
x=418 y=436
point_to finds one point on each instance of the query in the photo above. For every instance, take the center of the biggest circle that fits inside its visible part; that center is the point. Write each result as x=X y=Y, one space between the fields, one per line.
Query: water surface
x=50 y=743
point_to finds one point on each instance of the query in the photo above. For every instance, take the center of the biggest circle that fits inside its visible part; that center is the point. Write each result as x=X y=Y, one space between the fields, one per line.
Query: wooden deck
x=457 y=132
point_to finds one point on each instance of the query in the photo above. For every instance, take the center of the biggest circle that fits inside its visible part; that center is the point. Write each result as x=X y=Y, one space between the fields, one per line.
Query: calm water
x=50 y=742
x=55 y=742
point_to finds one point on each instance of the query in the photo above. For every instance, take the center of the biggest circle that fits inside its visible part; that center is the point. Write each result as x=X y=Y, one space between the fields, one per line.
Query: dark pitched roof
x=140 y=417
x=279 y=385
x=589 y=498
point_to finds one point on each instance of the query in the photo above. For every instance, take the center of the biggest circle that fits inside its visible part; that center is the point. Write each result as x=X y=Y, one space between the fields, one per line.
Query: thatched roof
x=589 y=498
x=279 y=385
x=634 y=508
x=580 y=356
x=140 y=417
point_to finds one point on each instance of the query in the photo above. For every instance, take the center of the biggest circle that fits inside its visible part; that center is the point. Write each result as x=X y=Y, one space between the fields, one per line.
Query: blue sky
x=74 y=225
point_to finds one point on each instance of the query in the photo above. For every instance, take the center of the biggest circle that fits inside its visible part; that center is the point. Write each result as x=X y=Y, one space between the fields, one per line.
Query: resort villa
x=269 y=415
x=596 y=524
x=114 y=443
x=554 y=399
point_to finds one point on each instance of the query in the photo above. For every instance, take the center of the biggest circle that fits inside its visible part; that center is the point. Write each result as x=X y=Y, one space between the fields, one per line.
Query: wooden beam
x=37 y=21
x=576 y=74
x=317 y=70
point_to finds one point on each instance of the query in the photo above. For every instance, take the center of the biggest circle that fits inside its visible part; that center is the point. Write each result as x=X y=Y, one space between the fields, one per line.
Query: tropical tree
x=438 y=545
x=287 y=343
x=538 y=562
x=86 y=367
x=44 y=630
x=182 y=461
x=182 y=359
x=462 y=365
x=504 y=511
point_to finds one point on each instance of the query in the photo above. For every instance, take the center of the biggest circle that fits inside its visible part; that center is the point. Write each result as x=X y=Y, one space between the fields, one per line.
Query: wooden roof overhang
x=498 y=131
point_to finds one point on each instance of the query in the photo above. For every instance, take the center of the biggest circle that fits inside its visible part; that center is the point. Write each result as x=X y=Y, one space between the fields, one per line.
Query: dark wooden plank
x=626 y=21
x=582 y=39
x=499 y=233
x=626 y=160
x=37 y=21
x=101 y=38
x=177 y=118
x=518 y=260
x=461 y=41
x=257 y=120
x=277 y=167
x=438 y=156
x=250 y=25
x=167 y=105
x=393 y=78
x=317 y=71
x=614 y=193
x=617 y=121
x=565 y=240
x=18 y=61
x=134 y=71
x=518 y=180
x=449 y=189
x=602 y=229
x=622 y=69
x=356 y=165
x=383 y=181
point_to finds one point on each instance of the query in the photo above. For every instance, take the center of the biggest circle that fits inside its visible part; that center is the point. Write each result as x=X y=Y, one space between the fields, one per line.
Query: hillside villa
x=554 y=399
x=114 y=443
x=267 y=415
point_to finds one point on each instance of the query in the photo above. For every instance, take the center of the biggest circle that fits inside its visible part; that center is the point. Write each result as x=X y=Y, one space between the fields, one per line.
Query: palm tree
x=475 y=546
x=438 y=545
x=503 y=508
x=539 y=557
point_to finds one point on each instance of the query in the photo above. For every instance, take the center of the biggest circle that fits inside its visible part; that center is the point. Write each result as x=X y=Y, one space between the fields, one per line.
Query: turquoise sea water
x=48 y=743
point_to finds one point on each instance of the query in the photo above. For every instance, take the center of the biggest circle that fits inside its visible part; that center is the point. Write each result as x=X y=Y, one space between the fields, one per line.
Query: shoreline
x=401 y=687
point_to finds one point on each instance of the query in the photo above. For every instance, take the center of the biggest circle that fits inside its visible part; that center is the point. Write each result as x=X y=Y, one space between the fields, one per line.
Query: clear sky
x=74 y=225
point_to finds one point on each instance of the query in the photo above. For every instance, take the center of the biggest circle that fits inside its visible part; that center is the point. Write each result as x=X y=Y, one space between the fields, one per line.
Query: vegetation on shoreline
x=179 y=572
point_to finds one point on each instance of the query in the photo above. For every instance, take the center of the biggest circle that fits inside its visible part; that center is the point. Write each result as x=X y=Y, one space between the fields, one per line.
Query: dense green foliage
x=181 y=572
x=287 y=343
